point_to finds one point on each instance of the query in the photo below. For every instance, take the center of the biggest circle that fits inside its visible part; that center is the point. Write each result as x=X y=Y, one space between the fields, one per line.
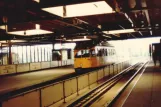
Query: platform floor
x=147 y=91
x=14 y=82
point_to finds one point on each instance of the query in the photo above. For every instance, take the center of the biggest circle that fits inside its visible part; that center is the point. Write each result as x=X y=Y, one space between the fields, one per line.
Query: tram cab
x=93 y=58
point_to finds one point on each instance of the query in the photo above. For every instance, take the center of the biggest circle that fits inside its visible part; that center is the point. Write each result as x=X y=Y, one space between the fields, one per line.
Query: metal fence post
x=113 y=70
x=104 y=72
x=109 y=70
x=64 y=92
x=88 y=81
x=40 y=98
x=77 y=86
x=97 y=76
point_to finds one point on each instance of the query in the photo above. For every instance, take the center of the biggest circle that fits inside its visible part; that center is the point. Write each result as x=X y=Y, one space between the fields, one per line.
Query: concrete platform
x=14 y=82
x=147 y=91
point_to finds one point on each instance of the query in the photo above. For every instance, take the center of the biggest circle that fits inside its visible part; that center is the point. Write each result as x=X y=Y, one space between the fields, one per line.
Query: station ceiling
x=142 y=16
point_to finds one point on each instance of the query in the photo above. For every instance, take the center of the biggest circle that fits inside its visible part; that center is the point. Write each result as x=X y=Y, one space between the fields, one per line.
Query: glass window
x=106 y=52
x=99 y=52
x=56 y=55
x=82 y=53
x=92 y=52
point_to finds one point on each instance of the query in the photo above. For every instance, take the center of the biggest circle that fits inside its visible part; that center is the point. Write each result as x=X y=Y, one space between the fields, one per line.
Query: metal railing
x=60 y=91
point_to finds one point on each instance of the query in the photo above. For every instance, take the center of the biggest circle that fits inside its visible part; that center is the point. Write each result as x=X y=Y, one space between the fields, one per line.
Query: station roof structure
x=76 y=20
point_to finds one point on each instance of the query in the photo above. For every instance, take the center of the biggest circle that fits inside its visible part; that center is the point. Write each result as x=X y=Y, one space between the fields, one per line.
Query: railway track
x=94 y=97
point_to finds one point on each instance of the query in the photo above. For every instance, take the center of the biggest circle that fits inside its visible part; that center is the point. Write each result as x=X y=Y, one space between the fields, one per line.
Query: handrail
x=39 y=88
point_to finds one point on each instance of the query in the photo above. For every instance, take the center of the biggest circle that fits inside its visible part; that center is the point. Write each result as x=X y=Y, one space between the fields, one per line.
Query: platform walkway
x=14 y=82
x=147 y=91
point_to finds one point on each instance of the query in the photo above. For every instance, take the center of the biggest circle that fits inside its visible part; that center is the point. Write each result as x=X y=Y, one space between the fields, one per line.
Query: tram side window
x=102 y=51
x=109 y=52
x=99 y=53
x=92 y=52
x=112 y=52
x=105 y=52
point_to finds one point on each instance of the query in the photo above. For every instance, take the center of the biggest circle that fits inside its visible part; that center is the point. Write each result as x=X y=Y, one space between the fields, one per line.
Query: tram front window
x=82 y=53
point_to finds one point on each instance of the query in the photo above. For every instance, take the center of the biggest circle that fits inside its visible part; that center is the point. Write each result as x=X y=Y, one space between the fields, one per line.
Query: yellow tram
x=93 y=58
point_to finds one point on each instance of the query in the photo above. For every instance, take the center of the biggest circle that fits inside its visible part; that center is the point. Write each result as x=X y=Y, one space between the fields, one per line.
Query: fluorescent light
x=36 y=31
x=30 y=32
x=78 y=39
x=2 y=27
x=83 y=9
x=37 y=26
x=65 y=46
x=38 y=1
x=106 y=36
x=15 y=41
x=119 y=31
x=99 y=26
x=55 y=10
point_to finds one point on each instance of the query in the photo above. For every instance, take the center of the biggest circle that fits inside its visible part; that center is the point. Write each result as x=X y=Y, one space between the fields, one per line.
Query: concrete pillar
x=10 y=52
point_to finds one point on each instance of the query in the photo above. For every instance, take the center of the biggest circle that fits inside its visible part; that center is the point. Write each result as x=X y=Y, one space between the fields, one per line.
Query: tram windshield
x=85 y=53
x=82 y=53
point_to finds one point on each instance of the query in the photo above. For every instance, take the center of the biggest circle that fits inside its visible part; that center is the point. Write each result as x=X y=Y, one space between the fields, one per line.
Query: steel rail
x=125 y=85
x=90 y=97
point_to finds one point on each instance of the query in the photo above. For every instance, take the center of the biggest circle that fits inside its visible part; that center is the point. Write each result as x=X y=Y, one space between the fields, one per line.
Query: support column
x=10 y=53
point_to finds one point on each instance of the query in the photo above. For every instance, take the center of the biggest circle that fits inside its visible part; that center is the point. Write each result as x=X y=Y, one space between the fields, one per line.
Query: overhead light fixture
x=82 y=9
x=2 y=27
x=119 y=31
x=64 y=46
x=107 y=36
x=37 y=26
x=13 y=41
x=156 y=24
x=38 y=1
x=75 y=40
x=99 y=26
x=36 y=31
x=30 y=32
x=80 y=39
